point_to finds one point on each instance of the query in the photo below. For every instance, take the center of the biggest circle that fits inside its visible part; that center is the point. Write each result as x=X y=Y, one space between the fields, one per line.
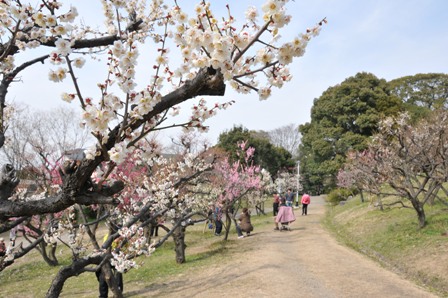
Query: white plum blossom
x=39 y=19
x=7 y=64
x=67 y=97
x=161 y=60
x=60 y=30
x=264 y=93
x=51 y=20
x=121 y=263
x=117 y=154
x=265 y=56
x=63 y=47
x=79 y=62
x=271 y=6
x=70 y=16
x=251 y=14
x=118 y=49
x=58 y=75
x=90 y=153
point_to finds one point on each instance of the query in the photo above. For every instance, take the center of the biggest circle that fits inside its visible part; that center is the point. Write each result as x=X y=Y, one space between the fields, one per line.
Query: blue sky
x=389 y=38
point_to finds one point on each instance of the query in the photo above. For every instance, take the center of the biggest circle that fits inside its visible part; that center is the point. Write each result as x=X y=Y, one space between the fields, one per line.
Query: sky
x=388 y=38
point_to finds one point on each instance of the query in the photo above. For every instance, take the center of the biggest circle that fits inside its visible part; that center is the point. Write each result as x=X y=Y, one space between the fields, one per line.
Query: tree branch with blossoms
x=213 y=55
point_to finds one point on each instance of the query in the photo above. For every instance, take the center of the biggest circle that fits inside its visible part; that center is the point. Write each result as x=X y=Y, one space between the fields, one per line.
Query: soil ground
x=303 y=262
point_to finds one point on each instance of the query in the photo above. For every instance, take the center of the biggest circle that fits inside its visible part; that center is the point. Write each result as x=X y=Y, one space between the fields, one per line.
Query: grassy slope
x=393 y=238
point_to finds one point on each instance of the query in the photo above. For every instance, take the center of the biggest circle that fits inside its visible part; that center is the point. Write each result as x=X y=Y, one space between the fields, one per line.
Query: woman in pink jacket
x=305 y=202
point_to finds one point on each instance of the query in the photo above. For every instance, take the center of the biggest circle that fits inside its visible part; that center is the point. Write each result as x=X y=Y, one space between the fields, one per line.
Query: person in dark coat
x=275 y=204
x=2 y=247
x=217 y=217
x=245 y=224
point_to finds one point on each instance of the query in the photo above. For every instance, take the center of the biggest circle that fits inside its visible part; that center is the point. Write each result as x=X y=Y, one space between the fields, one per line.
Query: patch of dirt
x=303 y=262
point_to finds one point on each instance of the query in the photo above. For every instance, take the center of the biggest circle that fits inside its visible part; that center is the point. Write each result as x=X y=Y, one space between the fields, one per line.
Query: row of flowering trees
x=120 y=111
x=404 y=159
x=181 y=189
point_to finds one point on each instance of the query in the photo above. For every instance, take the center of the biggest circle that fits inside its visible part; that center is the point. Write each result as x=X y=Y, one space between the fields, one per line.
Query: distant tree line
x=346 y=116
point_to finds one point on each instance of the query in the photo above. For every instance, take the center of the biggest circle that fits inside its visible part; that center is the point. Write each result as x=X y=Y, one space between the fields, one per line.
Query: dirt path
x=305 y=262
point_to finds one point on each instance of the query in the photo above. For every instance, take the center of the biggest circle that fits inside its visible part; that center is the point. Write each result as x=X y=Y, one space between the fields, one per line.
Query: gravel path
x=305 y=262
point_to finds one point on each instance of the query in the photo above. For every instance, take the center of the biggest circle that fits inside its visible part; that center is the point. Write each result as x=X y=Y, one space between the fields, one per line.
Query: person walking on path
x=275 y=204
x=306 y=200
x=217 y=217
x=289 y=197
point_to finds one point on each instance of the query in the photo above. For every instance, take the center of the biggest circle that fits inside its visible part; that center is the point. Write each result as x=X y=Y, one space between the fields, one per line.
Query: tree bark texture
x=76 y=268
x=109 y=276
x=8 y=181
x=179 y=244
x=228 y=225
x=50 y=256
x=420 y=213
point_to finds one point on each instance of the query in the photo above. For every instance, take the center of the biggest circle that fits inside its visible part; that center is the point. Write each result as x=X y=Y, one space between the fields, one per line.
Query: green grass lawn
x=393 y=238
x=31 y=276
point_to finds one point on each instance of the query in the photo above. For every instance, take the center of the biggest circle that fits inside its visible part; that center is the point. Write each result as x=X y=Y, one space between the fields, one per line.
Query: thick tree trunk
x=418 y=207
x=50 y=257
x=8 y=181
x=421 y=216
x=228 y=225
x=147 y=233
x=421 y=219
x=361 y=194
x=379 y=203
x=76 y=268
x=179 y=244
x=112 y=282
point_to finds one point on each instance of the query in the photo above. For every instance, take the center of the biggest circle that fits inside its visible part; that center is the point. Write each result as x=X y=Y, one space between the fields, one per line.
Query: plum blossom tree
x=284 y=181
x=409 y=159
x=213 y=53
x=123 y=111
x=38 y=155
x=156 y=186
x=360 y=173
x=232 y=181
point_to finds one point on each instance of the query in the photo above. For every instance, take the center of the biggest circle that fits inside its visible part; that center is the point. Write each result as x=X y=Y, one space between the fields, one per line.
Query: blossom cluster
x=202 y=112
x=250 y=58
x=234 y=179
x=160 y=193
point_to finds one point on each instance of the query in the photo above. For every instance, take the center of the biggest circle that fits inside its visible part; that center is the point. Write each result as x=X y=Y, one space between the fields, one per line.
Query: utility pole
x=298 y=182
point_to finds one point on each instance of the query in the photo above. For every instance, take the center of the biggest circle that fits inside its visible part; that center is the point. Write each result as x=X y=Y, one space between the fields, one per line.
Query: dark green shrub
x=338 y=195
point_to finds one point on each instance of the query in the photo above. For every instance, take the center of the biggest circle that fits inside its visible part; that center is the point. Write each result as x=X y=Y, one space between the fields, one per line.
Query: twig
x=75 y=82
